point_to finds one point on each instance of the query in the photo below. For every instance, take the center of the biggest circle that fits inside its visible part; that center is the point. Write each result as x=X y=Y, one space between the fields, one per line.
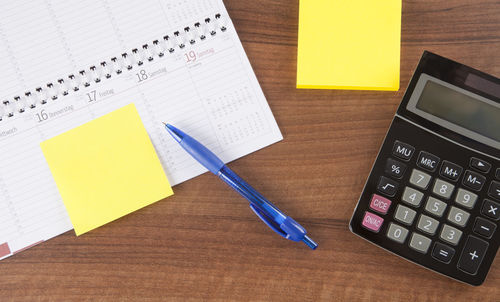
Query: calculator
x=433 y=194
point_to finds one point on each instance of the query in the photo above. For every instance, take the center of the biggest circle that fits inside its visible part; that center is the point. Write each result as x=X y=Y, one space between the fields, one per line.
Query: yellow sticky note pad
x=106 y=169
x=349 y=44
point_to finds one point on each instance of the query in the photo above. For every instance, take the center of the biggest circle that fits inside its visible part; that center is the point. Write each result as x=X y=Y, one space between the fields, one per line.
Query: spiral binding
x=105 y=70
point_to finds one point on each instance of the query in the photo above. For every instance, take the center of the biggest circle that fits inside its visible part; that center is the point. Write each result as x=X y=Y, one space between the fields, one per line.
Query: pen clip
x=270 y=223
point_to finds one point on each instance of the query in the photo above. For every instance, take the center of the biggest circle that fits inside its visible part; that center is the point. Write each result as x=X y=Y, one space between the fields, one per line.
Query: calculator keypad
x=425 y=204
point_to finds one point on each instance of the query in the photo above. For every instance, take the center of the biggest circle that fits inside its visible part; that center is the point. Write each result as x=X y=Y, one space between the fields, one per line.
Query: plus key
x=472 y=255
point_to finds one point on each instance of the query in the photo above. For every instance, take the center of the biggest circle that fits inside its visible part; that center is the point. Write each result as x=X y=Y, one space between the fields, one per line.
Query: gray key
x=412 y=196
x=420 y=179
x=466 y=198
x=420 y=243
x=404 y=215
x=443 y=188
x=450 y=234
x=427 y=224
x=458 y=216
x=397 y=233
x=435 y=206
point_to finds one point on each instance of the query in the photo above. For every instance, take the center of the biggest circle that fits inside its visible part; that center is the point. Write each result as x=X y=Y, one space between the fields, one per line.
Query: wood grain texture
x=204 y=243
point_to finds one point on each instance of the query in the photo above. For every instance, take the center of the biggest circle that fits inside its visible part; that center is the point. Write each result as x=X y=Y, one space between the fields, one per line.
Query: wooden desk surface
x=205 y=243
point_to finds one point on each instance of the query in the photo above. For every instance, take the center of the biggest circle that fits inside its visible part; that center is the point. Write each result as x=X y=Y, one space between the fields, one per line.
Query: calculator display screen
x=457 y=109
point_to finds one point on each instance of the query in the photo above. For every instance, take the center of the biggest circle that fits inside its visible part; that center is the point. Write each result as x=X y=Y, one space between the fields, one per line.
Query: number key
x=443 y=188
x=404 y=215
x=458 y=217
x=397 y=233
x=427 y=224
x=435 y=206
x=420 y=179
x=450 y=234
x=412 y=196
x=466 y=198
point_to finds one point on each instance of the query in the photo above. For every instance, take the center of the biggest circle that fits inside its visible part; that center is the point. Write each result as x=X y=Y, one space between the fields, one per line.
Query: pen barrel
x=199 y=152
x=247 y=191
x=275 y=219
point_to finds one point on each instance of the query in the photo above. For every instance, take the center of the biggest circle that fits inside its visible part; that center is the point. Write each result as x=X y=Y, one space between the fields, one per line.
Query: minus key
x=484 y=227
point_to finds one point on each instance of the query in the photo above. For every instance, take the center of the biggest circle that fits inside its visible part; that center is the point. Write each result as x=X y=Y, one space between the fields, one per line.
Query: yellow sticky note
x=349 y=44
x=106 y=169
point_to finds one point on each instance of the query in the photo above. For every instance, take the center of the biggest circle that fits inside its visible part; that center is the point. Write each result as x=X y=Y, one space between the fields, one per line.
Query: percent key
x=395 y=168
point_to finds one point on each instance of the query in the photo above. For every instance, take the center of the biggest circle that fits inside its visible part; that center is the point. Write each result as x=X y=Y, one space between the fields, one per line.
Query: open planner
x=65 y=63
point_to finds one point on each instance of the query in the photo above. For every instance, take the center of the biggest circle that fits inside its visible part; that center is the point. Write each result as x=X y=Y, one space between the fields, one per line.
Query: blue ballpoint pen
x=270 y=214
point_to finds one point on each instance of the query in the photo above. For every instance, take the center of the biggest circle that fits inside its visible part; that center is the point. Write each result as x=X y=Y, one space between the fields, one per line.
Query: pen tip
x=177 y=134
x=164 y=123
x=309 y=242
